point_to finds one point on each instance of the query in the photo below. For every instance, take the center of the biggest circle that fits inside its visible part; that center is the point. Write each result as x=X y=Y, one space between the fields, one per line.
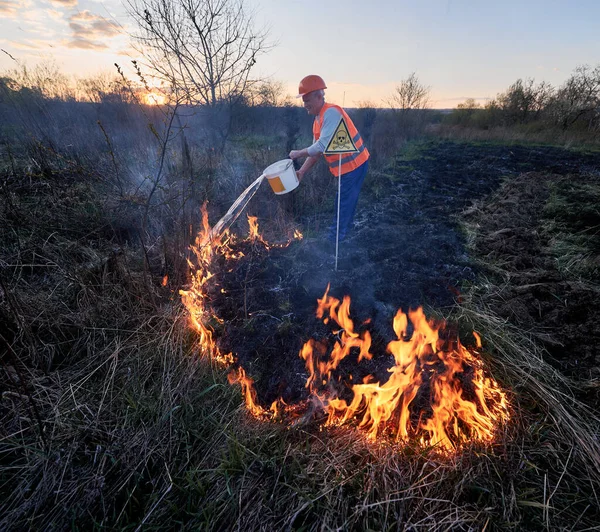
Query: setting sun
x=153 y=98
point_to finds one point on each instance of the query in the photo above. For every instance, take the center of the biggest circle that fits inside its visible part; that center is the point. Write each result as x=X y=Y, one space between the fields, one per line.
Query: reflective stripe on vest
x=350 y=161
x=346 y=158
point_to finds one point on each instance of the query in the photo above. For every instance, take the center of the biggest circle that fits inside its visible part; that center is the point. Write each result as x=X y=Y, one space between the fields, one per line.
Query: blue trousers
x=351 y=185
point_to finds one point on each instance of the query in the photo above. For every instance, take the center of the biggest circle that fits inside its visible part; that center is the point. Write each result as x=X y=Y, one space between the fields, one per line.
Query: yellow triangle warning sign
x=341 y=141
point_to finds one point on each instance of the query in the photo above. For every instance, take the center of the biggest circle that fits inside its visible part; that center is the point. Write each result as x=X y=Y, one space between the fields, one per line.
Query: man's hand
x=308 y=164
x=296 y=154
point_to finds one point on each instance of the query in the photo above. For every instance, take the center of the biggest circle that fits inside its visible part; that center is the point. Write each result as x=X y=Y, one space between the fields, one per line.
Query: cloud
x=64 y=3
x=86 y=25
x=105 y=28
x=84 y=44
x=9 y=8
x=84 y=29
x=42 y=22
x=83 y=15
x=30 y=44
x=463 y=98
x=128 y=52
x=42 y=18
x=53 y=13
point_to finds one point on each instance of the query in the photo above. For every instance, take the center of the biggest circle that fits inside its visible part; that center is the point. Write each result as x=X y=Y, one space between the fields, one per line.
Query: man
x=354 y=165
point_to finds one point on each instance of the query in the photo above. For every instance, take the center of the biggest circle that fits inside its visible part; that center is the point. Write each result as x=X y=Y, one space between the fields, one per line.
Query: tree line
x=575 y=105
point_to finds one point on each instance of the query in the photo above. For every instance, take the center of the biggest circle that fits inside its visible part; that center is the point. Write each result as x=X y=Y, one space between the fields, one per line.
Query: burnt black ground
x=405 y=250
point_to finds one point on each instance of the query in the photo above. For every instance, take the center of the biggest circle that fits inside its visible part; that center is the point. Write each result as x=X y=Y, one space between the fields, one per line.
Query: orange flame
x=253 y=228
x=320 y=370
x=165 y=280
x=248 y=390
x=422 y=359
x=206 y=246
x=437 y=393
x=253 y=234
x=195 y=299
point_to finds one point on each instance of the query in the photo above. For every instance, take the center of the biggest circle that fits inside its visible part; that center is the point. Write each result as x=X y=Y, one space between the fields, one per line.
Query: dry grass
x=571 y=438
x=111 y=419
x=538 y=134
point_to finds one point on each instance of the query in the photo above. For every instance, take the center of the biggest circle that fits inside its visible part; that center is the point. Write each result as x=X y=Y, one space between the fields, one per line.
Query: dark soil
x=519 y=232
x=406 y=250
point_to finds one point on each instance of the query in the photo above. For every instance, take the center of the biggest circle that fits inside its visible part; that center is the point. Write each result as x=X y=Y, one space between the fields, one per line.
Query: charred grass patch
x=537 y=241
x=111 y=418
x=536 y=303
x=571 y=219
x=544 y=466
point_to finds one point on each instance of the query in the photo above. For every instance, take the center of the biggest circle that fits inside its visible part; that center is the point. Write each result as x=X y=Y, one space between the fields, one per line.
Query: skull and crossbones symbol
x=341 y=139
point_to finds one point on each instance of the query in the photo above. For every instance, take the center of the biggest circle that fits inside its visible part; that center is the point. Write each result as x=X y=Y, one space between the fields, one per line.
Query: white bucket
x=282 y=176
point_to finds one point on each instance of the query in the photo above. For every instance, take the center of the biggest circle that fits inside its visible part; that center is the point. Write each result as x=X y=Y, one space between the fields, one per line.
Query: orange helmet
x=309 y=84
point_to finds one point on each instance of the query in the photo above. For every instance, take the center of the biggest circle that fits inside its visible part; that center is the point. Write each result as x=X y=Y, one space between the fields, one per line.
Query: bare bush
x=464 y=113
x=365 y=115
x=205 y=48
x=540 y=110
x=468 y=106
x=578 y=100
x=524 y=101
x=409 y=103
x=45 y=79
x=410 y=94
x=103 y=87
x=270 y=94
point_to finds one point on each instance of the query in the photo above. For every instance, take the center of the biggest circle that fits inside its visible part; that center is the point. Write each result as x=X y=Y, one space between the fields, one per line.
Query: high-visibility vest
x=350 y=161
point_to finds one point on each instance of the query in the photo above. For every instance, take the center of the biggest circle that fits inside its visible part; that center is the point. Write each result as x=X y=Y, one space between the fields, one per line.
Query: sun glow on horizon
x=154 y=98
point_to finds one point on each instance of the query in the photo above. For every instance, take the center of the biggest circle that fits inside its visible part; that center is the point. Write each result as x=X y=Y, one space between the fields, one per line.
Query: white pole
x=337 y=233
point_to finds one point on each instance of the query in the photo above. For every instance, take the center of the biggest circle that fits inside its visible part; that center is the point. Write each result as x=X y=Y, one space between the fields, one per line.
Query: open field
x=181 y=348
x=113 y=418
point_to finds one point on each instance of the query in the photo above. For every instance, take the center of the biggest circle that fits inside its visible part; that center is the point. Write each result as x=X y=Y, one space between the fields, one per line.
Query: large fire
x=462 y=403
x=437 y=392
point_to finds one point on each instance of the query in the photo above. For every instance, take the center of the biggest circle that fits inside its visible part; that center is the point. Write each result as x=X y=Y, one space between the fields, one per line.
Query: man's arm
x=308 y=164
x=331 y=119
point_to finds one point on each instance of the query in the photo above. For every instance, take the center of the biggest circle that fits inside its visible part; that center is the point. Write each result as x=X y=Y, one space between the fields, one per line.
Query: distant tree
x=45 y=79
x=366 y=104
x=578 y=99
x=410 y=94
x=464 y=112
x=468 y=105
x=102 y=87
x=524 y=101
x=271 y=94
x=204 y=48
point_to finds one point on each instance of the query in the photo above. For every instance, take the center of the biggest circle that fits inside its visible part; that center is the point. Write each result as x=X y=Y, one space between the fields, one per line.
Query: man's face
x=313 y=101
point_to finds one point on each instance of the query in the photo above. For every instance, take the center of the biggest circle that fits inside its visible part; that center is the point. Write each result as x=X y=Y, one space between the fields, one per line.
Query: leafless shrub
x=524 y=101
x=44 y=78
x=409 y=102
x=270 y=94
x=578 y=99
x=409 y=95
x=103 y=87
x=465 y=111
x=570 y=114
x=364 y=117
x=205 y=48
